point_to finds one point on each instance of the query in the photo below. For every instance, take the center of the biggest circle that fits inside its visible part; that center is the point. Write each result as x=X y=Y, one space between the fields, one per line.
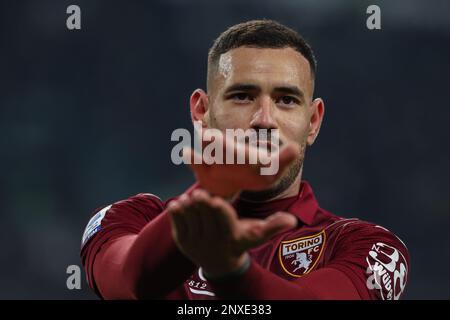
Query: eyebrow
x=242 y=87
x=294 y=90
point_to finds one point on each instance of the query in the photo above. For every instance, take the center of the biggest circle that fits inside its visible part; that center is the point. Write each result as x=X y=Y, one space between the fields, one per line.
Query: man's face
x=263 y=88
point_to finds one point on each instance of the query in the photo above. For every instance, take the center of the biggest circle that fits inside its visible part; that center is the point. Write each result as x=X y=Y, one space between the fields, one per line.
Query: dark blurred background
x=86 y=118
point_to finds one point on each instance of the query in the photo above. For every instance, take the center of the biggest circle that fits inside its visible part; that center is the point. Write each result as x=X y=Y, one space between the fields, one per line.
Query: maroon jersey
x=325 y=257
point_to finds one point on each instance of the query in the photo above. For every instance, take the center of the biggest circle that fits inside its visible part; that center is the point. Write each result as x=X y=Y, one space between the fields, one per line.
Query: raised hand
x=227 y=180
x=208 y=231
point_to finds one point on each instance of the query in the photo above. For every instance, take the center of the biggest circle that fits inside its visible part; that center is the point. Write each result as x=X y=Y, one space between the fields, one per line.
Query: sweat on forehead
x=224 y=67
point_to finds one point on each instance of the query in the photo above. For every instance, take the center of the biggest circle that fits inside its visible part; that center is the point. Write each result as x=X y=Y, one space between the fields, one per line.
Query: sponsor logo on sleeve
x=299 y=256
x=387 y=271
x=94 y=225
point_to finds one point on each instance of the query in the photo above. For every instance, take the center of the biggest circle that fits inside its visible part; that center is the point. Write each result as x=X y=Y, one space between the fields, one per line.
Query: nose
x=263 y=117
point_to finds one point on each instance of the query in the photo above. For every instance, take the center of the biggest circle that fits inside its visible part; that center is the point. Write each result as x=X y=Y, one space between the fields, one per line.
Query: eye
x=288 y=101
x=241 y=97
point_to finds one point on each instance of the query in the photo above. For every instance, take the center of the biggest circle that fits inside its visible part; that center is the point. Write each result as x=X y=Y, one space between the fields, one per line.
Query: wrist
x=240 y=268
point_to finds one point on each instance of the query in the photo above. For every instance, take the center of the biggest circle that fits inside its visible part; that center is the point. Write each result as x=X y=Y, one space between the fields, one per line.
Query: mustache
x=261 y=138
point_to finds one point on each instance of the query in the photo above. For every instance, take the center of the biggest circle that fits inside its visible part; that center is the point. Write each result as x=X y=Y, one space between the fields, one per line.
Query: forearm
x=260 y=284
x=154 y=266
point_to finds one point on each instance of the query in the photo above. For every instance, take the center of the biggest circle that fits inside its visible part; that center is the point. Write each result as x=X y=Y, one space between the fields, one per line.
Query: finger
x=195 y=163
x=224 y=215
x=206 y=136
x=276 y=223
x=287 y=154
x=178 y=222
x=190 y=216
x=184 y=201
x=201 y=211
x=210 y=211
x=242 y=152
x=201 y=199
x=191 y=157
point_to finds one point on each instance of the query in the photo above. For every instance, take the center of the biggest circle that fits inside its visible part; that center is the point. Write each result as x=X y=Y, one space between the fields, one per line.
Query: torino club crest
x=299 y=256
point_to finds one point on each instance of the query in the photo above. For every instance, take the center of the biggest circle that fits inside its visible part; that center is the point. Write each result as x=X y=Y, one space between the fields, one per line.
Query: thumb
x=287 y=154
x=195 y=163
x=191 y=157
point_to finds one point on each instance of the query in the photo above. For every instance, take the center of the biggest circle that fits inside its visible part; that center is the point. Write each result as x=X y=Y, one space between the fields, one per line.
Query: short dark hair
x=260 y=34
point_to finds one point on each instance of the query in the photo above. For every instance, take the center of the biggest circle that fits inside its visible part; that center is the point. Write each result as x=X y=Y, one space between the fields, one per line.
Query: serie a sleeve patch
x=94 y=225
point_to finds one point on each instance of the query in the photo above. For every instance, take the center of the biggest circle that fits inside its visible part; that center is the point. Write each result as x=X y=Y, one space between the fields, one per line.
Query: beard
x=292 y=173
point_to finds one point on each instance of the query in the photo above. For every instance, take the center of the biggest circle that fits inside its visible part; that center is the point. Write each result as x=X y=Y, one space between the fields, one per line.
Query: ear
x=199 y=107
x=318 y=110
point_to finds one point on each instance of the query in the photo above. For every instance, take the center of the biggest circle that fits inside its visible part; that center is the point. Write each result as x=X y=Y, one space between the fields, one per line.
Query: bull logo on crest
x=299 y=256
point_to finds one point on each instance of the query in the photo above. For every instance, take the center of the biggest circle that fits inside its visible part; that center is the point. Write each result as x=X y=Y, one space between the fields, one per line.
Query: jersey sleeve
x=375 y=260
x=113 y=221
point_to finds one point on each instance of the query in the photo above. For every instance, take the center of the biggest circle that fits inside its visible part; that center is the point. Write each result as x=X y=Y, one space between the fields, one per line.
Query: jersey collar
x=304 y=206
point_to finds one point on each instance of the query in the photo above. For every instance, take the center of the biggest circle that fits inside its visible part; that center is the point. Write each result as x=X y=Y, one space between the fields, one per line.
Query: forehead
x=265 y=66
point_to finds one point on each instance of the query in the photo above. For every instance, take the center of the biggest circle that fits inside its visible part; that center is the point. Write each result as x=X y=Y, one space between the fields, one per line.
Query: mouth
x=269 y=145
x=264 y=142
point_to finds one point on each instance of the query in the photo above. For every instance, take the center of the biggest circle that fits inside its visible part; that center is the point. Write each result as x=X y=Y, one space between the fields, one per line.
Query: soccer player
x=237 y=234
